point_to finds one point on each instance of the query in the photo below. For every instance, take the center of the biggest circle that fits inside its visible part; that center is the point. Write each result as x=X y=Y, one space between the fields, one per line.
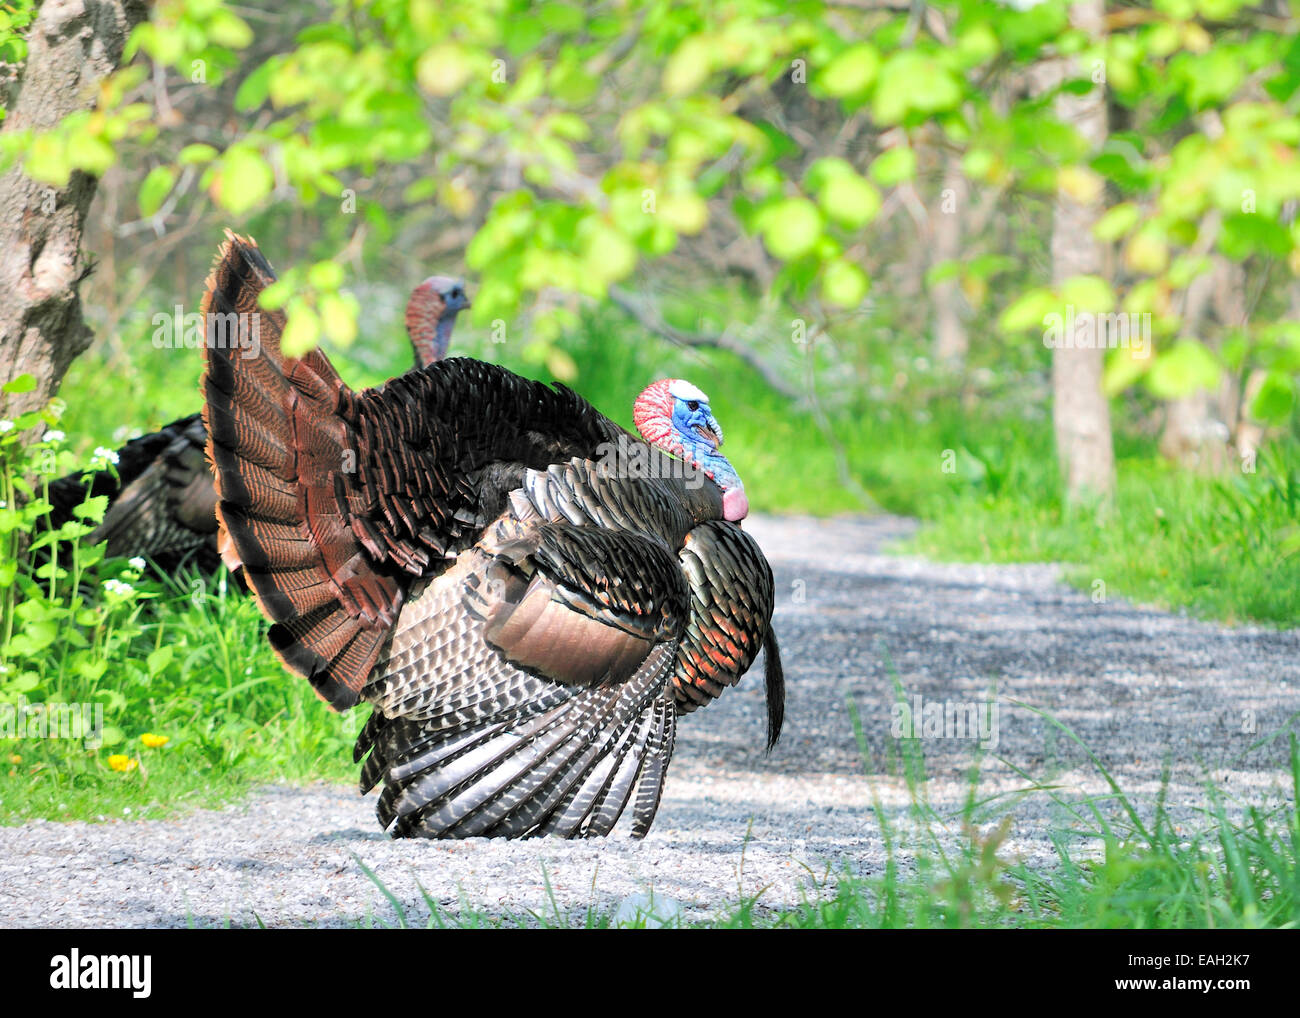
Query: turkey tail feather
x=277 y=444
x=775 y=683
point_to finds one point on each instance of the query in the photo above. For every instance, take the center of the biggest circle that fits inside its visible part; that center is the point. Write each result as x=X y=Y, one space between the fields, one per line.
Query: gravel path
x=1139 y=686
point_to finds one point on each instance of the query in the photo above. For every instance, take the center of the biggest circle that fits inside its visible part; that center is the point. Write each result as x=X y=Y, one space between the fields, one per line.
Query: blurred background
x=850 y=222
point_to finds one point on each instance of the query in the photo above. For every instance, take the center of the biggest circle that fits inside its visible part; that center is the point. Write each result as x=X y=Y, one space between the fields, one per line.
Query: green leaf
x=159 y=660
x=849 y=200
x=1090 y=294
x=196 y=153
x=685 y=213
x=791 y=227
x=1028 y=311
x=1275 y=401
x=227 y=29
x=254 y=89
x=155 y=189
x=302 y=331
x=689 y=66
x=25 y=683
x=1116 y=222
x=844 y=284
x=325 y=275
x=338 y=314
x=1185 y=368
x=893 y=166
x=912 y=82
x=851 y=73
x=111 y=735
x=607 y=255
x=443 y=69
x=90 y=153
x=1147 y=251
x=246 y=179
x=20 y=383
x=92 y=509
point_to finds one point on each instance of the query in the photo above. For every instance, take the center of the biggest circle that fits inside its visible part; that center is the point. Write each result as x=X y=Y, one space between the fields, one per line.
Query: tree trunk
x=72 y=46
x=951 y=342
x=1194 y=435
x=1081 y=412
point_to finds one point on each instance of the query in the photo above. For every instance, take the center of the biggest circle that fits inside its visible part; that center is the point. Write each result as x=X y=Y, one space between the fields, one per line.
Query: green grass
x=187 y=703
x=1222 y=548
x=232 y=716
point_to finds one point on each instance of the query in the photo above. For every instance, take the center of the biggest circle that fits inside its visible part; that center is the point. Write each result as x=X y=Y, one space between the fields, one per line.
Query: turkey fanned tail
x=569 y=770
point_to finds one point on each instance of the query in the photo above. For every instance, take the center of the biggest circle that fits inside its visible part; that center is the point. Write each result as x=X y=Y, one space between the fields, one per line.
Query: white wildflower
x=54 y=435
x=105 y=454
x=6 y=426
x=136 y=563
x=118 y=587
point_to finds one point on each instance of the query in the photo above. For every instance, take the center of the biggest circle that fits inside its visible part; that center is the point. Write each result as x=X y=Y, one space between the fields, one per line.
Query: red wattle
x=735 y=506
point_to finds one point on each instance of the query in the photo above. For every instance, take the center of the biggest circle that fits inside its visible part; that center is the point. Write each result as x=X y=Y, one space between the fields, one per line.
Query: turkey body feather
x=455 y=548
x=161 y=499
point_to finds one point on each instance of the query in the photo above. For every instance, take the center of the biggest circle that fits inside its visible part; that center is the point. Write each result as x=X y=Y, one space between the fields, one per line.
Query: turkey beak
x=710 y=431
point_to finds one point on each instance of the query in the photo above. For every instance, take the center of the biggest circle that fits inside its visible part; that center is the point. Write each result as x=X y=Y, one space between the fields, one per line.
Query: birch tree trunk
x=1195 y=434
x=951 y=342
x=1081 y=412
x=72 y=46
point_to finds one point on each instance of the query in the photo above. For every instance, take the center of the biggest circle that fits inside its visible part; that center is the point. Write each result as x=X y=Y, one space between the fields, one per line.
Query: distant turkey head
x=430 y=314
x=675 y=416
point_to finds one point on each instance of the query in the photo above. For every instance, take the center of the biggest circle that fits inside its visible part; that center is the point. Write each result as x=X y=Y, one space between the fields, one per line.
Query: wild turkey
x=162 y=502
x=526 y=595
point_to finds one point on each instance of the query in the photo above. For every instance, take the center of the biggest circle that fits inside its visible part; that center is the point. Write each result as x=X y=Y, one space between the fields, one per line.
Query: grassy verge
x=196 y=711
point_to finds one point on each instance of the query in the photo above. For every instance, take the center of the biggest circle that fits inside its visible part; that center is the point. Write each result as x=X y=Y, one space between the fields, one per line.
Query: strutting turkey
x=162 y=504
x=526 y=594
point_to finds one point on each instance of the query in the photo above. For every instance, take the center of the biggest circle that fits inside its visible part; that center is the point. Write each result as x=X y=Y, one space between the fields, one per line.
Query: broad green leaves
x=1186 y=367
x=575 y=144
x=790 y=227
x=850 y=73
x=243 y=179
x=153 y=192
x=912 y=83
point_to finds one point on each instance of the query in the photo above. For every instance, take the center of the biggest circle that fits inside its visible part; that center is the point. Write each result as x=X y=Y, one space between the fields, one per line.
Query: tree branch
x=652 y=321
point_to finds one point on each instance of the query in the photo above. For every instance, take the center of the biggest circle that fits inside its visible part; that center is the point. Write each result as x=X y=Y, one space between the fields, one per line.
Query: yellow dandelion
x=154 y=741
x=122 y=762
x=14 y=758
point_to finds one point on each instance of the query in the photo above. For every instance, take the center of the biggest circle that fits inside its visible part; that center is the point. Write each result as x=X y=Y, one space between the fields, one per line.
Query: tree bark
x=951 y=341
x=72 y=46
x=1194 y=435
x=1081 y=412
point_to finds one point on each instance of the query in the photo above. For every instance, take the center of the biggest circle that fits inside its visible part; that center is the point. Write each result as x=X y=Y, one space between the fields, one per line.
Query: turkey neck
x=431 y=344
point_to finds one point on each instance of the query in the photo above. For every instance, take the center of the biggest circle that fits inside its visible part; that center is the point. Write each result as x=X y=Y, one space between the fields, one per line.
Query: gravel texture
x=1142 y=688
